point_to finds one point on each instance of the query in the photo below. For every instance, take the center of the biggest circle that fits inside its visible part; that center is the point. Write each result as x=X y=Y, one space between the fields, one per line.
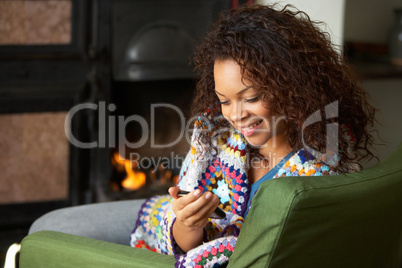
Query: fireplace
x=152 y=80
x=116 y=65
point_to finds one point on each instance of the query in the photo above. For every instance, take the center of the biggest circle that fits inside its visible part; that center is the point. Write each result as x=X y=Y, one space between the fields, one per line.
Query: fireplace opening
x=150 y=148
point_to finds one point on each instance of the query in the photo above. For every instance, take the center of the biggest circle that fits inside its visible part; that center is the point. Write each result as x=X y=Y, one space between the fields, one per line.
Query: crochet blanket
x=225 y=174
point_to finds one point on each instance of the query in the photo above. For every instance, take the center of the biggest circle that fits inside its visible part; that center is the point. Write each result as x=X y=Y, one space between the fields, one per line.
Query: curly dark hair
x=297 y=70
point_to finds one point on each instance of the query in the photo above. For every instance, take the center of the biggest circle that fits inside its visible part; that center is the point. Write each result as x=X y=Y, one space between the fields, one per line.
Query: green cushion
x=352 y=220
x=53 y=249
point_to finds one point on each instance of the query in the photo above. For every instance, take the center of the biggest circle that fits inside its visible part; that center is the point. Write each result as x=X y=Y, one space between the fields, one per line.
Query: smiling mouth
x=252 y=125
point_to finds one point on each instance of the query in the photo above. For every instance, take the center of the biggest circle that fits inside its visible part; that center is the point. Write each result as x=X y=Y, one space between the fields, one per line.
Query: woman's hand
x=192 y=213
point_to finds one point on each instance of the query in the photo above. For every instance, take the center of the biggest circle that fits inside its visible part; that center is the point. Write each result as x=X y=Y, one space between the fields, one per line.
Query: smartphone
x=217 y=214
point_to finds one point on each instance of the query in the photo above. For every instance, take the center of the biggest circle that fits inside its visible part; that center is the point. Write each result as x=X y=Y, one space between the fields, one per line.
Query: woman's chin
x=254 y=143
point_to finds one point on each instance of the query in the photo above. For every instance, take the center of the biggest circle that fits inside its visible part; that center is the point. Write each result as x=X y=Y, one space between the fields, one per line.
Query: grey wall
x=386 y=95
x=369 y=20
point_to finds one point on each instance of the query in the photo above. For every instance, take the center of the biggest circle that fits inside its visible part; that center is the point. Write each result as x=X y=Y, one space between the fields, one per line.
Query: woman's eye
x=253 y=99
x=223 y=102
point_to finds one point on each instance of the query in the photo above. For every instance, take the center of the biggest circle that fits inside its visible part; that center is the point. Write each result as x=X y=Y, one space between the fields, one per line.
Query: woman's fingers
x=184 y=201
x=188 y=198
x=200 y=207
x=196 y=214
x=194 y=208
x=173 y=191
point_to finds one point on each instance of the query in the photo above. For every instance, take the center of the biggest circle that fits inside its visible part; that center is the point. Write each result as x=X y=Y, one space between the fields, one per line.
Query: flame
x=175 y=179
x=134 y=179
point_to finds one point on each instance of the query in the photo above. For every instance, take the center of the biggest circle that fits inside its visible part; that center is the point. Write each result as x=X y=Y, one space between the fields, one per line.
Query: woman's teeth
x=253 y=125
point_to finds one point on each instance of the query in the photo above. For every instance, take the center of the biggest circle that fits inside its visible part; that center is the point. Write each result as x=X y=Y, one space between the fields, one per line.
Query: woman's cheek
x=225 y=112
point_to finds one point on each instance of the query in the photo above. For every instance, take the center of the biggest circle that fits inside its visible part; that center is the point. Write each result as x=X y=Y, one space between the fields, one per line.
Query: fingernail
x=208 y=195
x=197 y=192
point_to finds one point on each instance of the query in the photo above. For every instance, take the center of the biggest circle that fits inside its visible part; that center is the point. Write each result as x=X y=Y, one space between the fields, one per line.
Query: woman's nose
x=236 y=112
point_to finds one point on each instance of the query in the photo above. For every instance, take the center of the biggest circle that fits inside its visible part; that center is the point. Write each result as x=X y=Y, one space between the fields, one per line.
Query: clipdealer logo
x=108 y=131
x=148 y=130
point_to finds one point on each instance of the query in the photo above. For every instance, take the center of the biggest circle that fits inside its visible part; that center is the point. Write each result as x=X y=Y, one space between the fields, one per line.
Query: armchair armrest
x=54 y=249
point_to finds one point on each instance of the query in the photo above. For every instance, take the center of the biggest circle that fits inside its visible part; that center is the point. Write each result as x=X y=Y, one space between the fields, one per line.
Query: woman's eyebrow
x=238 y=93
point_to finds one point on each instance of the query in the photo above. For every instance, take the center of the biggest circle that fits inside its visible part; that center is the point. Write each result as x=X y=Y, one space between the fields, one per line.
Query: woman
x=281 y=102
x=274 y=98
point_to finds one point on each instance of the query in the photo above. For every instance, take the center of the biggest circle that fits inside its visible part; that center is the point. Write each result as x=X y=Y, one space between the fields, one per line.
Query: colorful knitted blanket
x=225 y=174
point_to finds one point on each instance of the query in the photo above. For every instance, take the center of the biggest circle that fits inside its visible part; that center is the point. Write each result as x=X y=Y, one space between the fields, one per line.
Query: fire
x=134 y=179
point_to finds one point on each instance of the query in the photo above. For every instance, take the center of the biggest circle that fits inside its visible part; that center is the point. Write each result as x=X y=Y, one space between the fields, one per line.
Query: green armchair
x=352 y=220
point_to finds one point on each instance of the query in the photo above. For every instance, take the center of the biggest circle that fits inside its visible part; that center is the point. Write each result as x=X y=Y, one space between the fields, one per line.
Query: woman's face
x=242 y=106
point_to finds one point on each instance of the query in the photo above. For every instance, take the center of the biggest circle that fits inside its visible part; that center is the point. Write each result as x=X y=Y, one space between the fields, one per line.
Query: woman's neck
x=275 y=150
x=273 y=153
